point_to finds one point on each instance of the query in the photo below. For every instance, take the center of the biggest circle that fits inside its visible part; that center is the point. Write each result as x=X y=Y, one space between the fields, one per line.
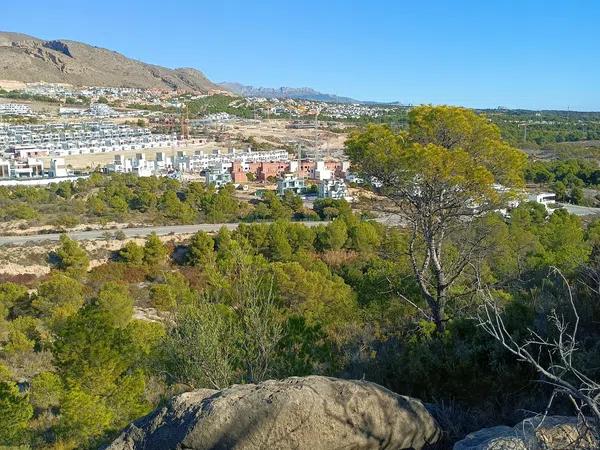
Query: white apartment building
x=335 y=189
x=58 y=168
x=29 y=168
x=15 y=109
x=32 y=168
x=25 y=151
x=202 y=161
x=290 y=182
x=219 y=175
x=321 y=172
x=78 y=139
x=544 y=198
x=140 y=166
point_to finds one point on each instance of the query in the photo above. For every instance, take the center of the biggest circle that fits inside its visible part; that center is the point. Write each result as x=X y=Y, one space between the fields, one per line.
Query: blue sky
x=485 y=53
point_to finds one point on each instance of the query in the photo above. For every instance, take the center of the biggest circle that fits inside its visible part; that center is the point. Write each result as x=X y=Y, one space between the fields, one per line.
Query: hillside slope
x=28 y=59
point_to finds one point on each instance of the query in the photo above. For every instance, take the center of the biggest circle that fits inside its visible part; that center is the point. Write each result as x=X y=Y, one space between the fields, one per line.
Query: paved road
x=580 y=210
x=129 y=232
x=384 y=218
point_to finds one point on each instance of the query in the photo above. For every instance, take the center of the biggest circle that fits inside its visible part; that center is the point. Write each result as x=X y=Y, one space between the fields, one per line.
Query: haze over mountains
x=284 y=92
x=29 y=59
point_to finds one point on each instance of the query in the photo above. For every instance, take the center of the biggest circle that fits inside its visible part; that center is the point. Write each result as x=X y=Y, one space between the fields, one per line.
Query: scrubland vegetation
x=126 y=198
x=84 y=352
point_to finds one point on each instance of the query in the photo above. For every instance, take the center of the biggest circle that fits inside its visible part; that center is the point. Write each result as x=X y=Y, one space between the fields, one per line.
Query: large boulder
x=296 y=413
x=537 y=433
x=557 y=433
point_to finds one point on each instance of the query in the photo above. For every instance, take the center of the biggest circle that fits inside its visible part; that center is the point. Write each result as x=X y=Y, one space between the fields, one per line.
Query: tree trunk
x=437 y=313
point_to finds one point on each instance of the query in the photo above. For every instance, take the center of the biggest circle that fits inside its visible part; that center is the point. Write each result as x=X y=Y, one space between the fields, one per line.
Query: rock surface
x=495 y=438
x=296 y=413
x=551 y=433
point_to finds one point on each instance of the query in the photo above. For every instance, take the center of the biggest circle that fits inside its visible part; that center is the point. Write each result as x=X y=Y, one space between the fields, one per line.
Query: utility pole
x=524 y=125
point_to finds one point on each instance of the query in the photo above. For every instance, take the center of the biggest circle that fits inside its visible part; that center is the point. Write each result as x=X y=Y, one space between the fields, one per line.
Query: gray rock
x=495 y=438
x=296 y=413
x=556 y=433
x=536 y=433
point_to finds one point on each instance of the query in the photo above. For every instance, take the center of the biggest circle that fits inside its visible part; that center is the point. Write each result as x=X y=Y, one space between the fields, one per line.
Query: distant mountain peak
x=304 y=93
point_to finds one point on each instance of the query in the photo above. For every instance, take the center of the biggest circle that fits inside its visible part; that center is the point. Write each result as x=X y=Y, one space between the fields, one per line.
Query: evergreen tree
x=155 y=253
x=115 y=304
x=15 y=412
x=132 y=254
x=336 y=235
x=72 y=259
x=58 y=298
x=201 y=249
x=448 y=160
x=10 y=293
x=279 y=246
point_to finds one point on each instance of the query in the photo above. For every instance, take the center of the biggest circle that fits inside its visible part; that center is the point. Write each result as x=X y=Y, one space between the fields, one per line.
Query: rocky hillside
x=29 y=59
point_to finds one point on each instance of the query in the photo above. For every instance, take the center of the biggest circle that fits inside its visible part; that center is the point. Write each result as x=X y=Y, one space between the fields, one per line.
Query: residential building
x=4 y=168
x=544 y=198
x=218 y=176
x=335 y=189
x=290 y=182
x=102 y=110
x=262 y=164
x=26 y=151
x=81 y=138
x=28 y=168
x=58 y=168
x=15 y=109
x=321 y=172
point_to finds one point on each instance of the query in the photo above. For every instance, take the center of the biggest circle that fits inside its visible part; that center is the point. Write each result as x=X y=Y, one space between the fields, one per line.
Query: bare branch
x=560 y=372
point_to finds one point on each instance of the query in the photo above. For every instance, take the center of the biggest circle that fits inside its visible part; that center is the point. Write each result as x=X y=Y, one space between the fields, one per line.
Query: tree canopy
x=443 y=174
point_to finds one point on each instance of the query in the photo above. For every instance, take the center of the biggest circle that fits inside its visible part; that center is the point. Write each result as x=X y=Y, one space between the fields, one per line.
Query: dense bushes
x=123 y=198
x=567 y=178
x=128 y=198
x=274 y=300
x=545 y=127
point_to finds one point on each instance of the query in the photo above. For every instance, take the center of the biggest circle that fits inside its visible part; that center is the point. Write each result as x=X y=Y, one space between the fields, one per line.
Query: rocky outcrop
x=58 y=46
x=549 y=433
x=296 y=413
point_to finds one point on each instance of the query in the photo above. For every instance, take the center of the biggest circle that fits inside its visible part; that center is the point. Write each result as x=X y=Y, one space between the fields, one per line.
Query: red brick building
x=264 y=170
x=261 y=170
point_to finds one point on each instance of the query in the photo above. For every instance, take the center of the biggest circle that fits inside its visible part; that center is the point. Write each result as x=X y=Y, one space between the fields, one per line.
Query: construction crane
x=185 y=119
x=317 y=151
x=169 y=121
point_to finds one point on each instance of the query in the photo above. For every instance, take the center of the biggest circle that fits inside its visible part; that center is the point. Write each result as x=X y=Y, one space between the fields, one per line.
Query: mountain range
x=29 y=59
x=284 y=92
